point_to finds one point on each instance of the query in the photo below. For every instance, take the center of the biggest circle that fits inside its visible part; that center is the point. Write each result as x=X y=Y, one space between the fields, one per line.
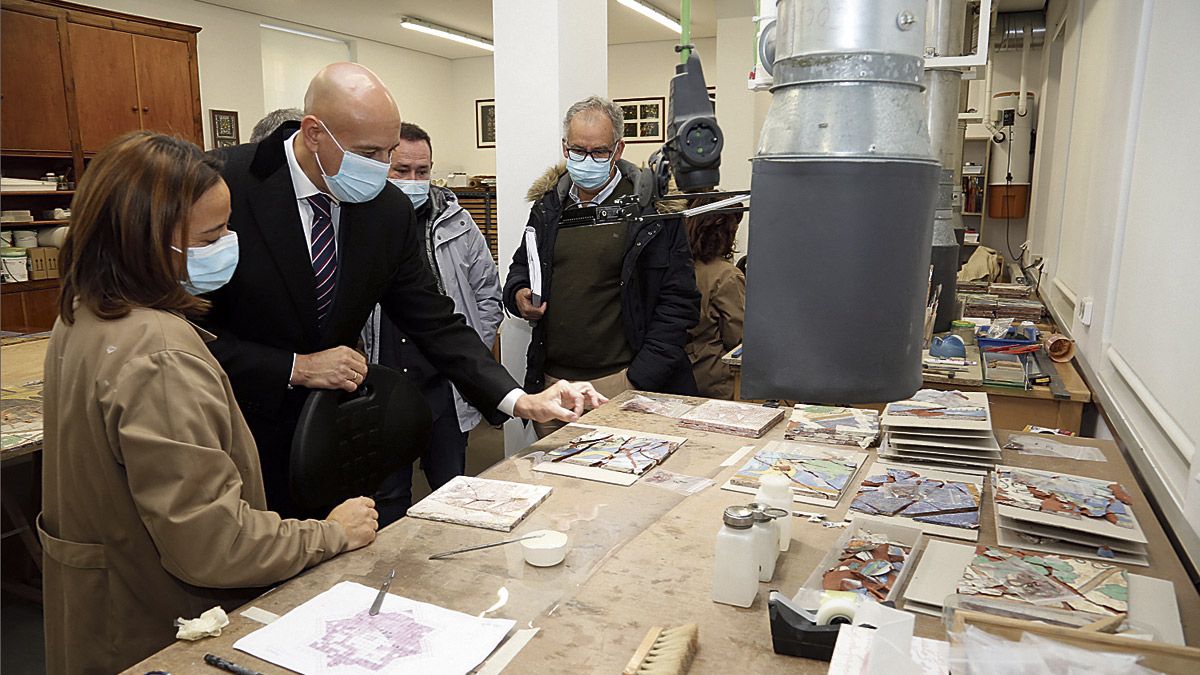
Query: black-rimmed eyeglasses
x=597 y=154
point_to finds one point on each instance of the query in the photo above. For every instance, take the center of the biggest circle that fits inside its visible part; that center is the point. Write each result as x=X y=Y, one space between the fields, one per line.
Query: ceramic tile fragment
x=906 y=493
x=728 y=417
x=833 y=424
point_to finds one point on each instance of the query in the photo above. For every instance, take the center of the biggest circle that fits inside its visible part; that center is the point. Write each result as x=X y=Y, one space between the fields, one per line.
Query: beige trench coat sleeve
x=171 y=417
x=729 y=299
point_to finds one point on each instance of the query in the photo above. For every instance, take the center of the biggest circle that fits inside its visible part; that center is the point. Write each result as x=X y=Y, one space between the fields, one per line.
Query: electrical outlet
x=1083 y=311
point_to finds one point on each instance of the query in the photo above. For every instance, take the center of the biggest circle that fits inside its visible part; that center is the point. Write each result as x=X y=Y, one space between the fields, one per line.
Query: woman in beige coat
x=153 y=498
x=722 y=299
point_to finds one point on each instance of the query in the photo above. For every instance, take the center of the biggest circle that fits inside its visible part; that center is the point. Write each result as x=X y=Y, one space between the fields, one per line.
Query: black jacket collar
x=270 y=155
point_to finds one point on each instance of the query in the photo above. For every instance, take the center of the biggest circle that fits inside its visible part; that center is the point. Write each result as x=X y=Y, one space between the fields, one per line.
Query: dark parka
x=659 y=299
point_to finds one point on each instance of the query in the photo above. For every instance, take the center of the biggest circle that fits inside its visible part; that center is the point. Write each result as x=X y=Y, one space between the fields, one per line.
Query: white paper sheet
x=332 y=633
x=534 y=263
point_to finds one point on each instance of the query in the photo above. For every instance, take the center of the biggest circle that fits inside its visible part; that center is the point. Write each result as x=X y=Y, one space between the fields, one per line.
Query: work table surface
x=641 y=556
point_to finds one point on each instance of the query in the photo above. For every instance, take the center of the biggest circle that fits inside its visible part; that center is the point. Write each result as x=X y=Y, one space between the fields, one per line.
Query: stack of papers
x=950 y=429
x=1011 y=290
x=728 y=417
x=819 y=474
x=8 y=184
x=1066 y=514
x=833 y=424
x=953 y=370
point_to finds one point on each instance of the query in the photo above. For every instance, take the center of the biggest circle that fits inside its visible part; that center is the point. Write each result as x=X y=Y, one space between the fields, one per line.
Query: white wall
x=1114 y=217
x=471 y=79
x=288 y=61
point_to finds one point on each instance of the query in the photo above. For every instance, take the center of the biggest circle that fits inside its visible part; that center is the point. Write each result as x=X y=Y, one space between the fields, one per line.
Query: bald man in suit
x=323 y=238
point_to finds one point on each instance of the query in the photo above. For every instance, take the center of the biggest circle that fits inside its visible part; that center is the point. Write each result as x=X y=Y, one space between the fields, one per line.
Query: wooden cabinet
x=125 y=81
x=29 y=306
x=165 y=95
x=74 y=78
x=32 y=85
x=105 y=87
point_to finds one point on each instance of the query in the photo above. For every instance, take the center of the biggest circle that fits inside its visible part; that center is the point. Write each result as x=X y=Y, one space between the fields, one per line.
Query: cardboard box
x=37 y=262
x=51 y=262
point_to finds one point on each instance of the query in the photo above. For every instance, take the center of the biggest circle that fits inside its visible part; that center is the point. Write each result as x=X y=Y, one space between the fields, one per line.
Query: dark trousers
x=445 y=458
x=274 y=441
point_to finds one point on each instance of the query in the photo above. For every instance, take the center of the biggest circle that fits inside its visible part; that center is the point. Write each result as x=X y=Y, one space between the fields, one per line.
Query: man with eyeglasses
x=617 y=299
x=322 y=239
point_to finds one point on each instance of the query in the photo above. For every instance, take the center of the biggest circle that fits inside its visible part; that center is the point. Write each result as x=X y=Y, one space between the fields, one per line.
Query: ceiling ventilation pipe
x=943 y=94
x=844 y=185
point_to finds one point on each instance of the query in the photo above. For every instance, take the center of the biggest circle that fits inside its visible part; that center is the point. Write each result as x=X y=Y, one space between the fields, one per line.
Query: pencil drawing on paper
x=371 y=642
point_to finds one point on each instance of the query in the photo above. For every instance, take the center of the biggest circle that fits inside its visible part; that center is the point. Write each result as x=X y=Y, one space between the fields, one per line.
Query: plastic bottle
x=766 y=543
x=735 y=565
x=775 y=489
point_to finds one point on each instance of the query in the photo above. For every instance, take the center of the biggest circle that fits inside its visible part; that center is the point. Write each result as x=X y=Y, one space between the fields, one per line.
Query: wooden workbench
x=641 y=556
x=1012 y=408
x=21 y=362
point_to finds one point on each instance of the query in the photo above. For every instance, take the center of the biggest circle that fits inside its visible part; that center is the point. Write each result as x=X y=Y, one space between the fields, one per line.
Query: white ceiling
x=379 y=20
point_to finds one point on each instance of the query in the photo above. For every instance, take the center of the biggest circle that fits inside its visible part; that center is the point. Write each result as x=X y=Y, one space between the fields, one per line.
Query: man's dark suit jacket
x=268 y=311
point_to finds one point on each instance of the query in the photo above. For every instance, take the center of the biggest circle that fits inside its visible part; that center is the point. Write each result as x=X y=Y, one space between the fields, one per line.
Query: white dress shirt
x=304 y=189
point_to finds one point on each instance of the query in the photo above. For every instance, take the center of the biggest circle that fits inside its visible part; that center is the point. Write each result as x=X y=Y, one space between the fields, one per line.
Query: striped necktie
x=324 y=253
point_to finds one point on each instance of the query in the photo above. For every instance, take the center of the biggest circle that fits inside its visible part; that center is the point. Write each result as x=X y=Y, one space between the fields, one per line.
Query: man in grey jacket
x=464 y=270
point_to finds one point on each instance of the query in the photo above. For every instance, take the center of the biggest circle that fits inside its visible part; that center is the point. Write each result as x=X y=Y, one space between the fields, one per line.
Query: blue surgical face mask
x=359 y=180
x=211 y=267
x=417 y=190
x=588 y=173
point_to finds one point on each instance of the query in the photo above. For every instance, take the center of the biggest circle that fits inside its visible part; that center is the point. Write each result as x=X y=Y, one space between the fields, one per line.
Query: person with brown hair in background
x=722 y=298
x=153 y=497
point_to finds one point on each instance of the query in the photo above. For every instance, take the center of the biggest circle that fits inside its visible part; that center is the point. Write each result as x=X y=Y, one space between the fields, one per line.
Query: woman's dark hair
x=131 y=207
x=711 y=236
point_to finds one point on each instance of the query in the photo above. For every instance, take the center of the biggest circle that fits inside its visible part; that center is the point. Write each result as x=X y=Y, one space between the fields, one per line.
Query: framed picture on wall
x=643 y=119
x=485 y=123
x=224 y=128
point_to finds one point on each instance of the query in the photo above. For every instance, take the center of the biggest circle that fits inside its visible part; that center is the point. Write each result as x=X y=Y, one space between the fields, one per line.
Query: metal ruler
x=1056 y=386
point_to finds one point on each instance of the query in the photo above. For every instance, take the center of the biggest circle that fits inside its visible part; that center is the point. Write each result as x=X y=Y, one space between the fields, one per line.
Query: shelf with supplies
x=34 y=224
x=36 y=193
x=481 y=204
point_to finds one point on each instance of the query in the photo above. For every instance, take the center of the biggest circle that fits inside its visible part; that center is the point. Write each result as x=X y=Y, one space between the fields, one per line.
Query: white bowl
x=547 y=550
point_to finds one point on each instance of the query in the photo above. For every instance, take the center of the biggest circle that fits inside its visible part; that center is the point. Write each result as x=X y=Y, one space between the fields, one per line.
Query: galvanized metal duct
x=944 y=100
x=844 y=184
x=1011 y=28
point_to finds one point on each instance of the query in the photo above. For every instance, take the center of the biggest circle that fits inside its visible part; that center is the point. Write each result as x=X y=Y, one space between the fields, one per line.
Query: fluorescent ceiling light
x=303 y=33
x=654 y=13
x=447 y=33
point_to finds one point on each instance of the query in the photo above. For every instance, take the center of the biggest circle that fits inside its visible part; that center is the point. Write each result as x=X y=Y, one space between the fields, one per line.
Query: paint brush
x=447 y=554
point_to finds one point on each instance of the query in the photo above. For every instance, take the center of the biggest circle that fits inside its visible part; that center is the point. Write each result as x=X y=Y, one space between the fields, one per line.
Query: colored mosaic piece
x=1047 y=580
x=906 y=493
